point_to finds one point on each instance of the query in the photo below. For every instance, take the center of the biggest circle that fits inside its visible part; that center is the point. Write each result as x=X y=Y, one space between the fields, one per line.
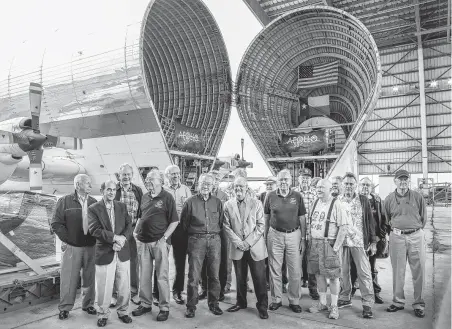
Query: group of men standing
x=313 y=234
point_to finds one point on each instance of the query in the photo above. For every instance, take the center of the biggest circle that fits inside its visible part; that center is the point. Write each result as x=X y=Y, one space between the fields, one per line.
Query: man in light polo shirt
x=406 y=213
x=284 y=214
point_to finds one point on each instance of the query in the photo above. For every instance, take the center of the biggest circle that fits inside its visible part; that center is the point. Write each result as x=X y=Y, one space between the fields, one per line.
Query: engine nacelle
x=8 y=164
x=16 y=125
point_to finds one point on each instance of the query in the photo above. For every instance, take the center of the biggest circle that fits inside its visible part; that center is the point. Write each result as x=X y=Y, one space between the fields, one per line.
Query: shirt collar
x=400 y=195
x=200 y=196
x=109 y=206
x=128 y=190
x=177 y=187
x=278 y=192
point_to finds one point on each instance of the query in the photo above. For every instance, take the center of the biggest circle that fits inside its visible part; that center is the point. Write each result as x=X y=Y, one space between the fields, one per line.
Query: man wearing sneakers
x=407 y=214
x=325 y=235
x=360 y=238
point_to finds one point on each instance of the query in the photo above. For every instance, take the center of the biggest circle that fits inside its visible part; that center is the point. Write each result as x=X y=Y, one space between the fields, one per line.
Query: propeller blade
x=35 y=157
x=35 y=104
x=67 y=143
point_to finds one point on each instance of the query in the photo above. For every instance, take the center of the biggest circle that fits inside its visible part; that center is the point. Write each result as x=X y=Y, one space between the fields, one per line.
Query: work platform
x=438 y=230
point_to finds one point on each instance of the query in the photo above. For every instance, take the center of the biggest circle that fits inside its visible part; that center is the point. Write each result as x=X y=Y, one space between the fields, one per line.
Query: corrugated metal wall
x=391 y=139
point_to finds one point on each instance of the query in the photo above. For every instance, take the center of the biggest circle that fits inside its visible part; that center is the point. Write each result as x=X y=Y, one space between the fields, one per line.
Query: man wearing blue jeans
x=202 y=218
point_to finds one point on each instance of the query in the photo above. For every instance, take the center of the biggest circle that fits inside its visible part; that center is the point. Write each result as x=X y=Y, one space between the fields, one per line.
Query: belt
x=284 y=230
x=408 y=231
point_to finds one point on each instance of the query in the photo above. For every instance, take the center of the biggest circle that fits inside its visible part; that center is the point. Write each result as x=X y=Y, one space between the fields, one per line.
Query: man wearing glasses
x=153 y=234
x=284 y=214
x=244 y=226
x=202 y=218
x=406 y=213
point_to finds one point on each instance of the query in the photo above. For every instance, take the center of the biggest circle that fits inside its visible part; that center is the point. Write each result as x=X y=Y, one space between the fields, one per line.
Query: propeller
x=31 y=141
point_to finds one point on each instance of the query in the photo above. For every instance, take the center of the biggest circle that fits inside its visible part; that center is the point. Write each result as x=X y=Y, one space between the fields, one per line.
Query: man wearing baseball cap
x=406 y=213
x=270 y=185
x=304 y=187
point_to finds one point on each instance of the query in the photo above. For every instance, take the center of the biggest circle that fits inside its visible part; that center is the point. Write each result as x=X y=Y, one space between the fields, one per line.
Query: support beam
x=448 y=19
x=423 y=112
x=439 y=29
x=257 y=10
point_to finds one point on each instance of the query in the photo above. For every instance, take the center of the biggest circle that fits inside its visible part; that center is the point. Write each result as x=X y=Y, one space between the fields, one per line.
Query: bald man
x=70 y=224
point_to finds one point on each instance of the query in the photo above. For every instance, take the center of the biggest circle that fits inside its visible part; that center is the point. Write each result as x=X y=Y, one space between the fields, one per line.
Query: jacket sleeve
x=383 y=223
x=128 y=230
x=139 y=196
x=423 y=210
x=260 y=226
x=232 y=236
x=185 y=215
x=96 y=229
x=58 y=223
x=370 y=221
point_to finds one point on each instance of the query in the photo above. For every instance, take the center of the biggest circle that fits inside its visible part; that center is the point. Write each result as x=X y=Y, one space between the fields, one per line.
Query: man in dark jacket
x=360 y=238
x=109 y=223
x=70 y=224
x=379 y=220
x=131 y=195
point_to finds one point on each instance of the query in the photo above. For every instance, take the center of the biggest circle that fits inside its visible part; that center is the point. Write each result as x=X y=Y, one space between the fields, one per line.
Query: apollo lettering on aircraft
x=306 y=143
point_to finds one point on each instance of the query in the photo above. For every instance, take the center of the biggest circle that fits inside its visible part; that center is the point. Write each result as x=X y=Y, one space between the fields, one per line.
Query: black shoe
x=227 y=290
x=284 y=289
x=162 y=316
x=344 y=303
x=190 y=313
x=215 y=309
x=274 y=306
x=141 y=310
x=90 y=310
x=367 y=312
x=305 y=284
x=178 y=298
x=378 y=299
x=314 y=294
x=125 y=318
x=101 y=322
x=295 y=308
x=419 y=313
x=63 y=315
x=263 y=314
x=136 y=300
x=235 y=308
x=221 y=297
x=393 y=308
x=202 y=295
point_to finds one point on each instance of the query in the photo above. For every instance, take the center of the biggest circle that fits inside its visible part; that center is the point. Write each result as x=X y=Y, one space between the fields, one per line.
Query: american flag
x=318 y=76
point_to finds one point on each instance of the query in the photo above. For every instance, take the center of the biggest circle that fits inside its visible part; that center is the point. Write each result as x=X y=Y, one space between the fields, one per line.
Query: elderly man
x=130 y=194
x=70 y=224
x=153 y=234
x=336 y=186
x=202 y=218
x=180 y=193
x=226 y=262
x=359 y=239
x=109 y=223
x=407 y=215
x=379 y=219
x=286 y=230
x=244 y=226
x=304 y=188
x=270 y=185
x=327 y=231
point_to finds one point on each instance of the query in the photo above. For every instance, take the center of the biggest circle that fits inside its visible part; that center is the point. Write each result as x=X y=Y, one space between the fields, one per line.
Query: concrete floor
x=438 y=235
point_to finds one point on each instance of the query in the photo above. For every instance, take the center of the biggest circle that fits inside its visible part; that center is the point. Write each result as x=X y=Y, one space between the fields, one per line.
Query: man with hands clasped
x=244 y=226
x=109 y=223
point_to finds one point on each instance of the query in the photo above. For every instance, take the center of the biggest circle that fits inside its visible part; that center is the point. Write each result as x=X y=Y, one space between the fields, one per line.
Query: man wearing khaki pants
x=406 y=213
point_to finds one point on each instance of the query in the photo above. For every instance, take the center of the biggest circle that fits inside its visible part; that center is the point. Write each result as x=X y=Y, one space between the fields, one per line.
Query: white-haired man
x=244 y=226
x=153 y=234
x=70 y=224
x=286 y=230
x=130 y=194
x=202 y=218
x=180 y=193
